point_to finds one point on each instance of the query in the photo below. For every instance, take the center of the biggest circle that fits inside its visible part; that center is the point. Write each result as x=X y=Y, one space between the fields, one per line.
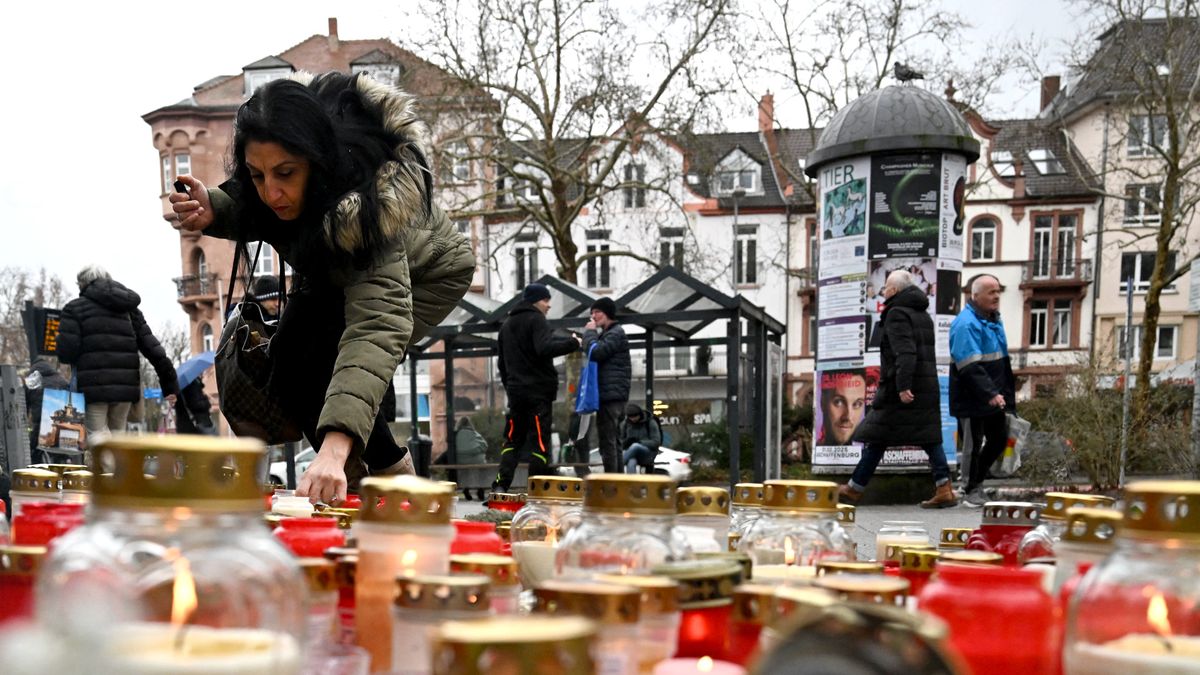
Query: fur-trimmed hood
x=402 y=187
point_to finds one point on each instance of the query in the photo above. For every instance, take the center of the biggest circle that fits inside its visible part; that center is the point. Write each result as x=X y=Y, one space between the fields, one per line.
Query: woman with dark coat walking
x=907 y=405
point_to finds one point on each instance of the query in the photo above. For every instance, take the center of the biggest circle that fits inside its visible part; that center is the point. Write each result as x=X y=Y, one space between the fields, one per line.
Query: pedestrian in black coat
x=193 y=410
x=527 y=349
x=605 y=341
x=906 y=409
x=101 y=334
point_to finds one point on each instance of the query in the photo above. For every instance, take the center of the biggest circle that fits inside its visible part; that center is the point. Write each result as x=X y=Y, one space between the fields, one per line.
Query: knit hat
x=265 y=288
x=633 y=410
x=607 y=306
x=535 y=292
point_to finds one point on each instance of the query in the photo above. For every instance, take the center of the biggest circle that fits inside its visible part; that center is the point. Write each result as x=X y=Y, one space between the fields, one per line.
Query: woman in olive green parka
x=332 y=173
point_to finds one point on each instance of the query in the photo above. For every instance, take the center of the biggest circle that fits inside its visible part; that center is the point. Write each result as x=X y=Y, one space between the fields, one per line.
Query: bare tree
x=17 y=286
x=572 y=84
x=1146 y=67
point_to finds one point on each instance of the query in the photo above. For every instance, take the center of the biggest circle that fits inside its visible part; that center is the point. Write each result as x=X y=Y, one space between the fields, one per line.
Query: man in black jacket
x=101 y=333
x=527 y=349
x=611 y=354
x=907 y=408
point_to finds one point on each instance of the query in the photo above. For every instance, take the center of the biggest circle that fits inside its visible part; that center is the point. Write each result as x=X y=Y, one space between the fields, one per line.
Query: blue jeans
x=638 y=454
x=872 y=453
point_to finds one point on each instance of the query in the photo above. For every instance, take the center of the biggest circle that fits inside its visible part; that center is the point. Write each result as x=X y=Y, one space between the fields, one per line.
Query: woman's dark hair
x=345 y=144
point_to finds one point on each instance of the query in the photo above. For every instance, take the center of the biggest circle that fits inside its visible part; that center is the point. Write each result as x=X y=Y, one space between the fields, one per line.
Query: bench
x=479 y=477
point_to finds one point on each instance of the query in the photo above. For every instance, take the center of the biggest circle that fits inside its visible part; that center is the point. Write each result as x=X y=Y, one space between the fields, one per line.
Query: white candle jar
x=746 y=506
x=553 y=507
x=615 y=609
x=77 y=487
x=33 y=485
x=799 y=525
x=288 y=503
x=515 y=644
x=1134 y=612
x=403 y=530
x=899 y=533
x=626 y=527
x=425 y=602
x=1040 y=542
x=658 y=625
x=706 y=511
x=1088 y=538
x=172 y=554
x=501 y=571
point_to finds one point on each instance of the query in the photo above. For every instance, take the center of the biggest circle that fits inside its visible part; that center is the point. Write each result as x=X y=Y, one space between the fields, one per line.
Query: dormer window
x=263 y=71
x=744 y=179
x=1002 y=162
x=380 y=66
x=1045 y=162
x=737 y=171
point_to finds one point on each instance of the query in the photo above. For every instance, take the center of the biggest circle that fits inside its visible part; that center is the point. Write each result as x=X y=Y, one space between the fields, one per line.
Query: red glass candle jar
x=1004 y=525
x=917 y=565
x=309 y=537
x=706 y=604
x=475 y=537
x=18 y=570
x=751 y=610
x=41 y=522
x=1001 y=619
x=345 y=562
x=506 y=501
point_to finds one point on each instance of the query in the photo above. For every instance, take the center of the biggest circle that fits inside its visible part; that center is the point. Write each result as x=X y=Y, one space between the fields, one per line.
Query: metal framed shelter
x=671 y=307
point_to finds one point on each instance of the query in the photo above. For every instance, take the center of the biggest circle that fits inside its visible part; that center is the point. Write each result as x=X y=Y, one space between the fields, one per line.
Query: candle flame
x=1156 y=615
x=407 y=561
x=183 y=597
x=705 y=664
x=789 y=552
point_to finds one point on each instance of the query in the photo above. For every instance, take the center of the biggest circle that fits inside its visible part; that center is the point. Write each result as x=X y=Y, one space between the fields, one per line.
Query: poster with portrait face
x=905 y=201
x=924 y=273
x=841 y=400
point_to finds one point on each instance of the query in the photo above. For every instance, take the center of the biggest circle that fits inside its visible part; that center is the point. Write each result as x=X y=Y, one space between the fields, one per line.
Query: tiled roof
x=268 y=62
x=1020 y=137
x=794 y=146
x=705 y=151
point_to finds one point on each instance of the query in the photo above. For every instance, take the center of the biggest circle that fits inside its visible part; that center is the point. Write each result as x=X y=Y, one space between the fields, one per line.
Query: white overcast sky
x=78 y=173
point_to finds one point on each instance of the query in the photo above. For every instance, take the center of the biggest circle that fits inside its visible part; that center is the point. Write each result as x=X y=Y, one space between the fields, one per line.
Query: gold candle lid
x=846 y=513
x=1023 y=514
x=748 y=494
x=752 y=603
x=506 y=497
x=743 y=559
x=321 y=574
x=443 y=592
x=702 y=583
x=1057 y=503
x=1086 y=525
x=80 y=480
x=603 y=603
x=405 y=500
x=501 y=569
x=809 y=496
x=505 y=531
x=954 y=537
x=877 y=589
x=644 y=494
x=514 y=644
x=733 y=538
x=35 y=480
x=21 y=560
x=59 y=469
x=792 y=600
x=272 y=520
x=659 y=595
x=556 y=488
x=894 y=552
x=1162 y=508
x=971 y=557
x=848 y=567
x=198 y=472
x=701 y=501
x=919 y=560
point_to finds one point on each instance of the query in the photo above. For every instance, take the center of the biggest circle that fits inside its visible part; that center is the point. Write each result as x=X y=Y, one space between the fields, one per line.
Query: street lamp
x=737 y=194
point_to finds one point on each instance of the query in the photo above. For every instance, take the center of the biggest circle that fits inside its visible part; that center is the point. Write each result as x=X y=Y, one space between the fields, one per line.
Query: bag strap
x=240 y=252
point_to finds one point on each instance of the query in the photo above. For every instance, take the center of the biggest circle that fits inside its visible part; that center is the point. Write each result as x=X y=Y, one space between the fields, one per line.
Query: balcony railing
x=191 y=285
x=1049 y=271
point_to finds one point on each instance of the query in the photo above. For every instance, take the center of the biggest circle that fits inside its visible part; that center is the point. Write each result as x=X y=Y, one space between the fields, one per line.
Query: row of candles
x=618 y=574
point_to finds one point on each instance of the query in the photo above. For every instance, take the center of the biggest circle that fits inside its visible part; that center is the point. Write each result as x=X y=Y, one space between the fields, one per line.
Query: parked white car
x=673 y=463
x=277 y=472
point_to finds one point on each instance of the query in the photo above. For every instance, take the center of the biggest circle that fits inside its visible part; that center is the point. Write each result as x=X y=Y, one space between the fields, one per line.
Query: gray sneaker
x=975 y=498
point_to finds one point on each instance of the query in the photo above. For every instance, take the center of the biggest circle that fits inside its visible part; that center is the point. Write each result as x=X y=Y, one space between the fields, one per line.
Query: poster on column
x=843 y=218
x=924 y=274
x=841 y=400
x=953 y=195
x=905 y=200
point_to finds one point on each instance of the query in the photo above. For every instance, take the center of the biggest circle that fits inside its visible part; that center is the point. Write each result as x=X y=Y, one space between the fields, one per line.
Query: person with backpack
x=641 y=437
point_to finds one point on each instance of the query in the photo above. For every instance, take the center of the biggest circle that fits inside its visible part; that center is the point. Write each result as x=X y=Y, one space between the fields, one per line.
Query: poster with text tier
x=905 y=200
x=954 y=192
x=843 y=248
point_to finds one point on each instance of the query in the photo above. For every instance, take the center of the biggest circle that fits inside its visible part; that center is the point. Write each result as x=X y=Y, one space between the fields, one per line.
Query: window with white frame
x=1039 y=311
x=464 y=226
x=1054 y=238
x=1145 y=133
x=983 y=240
x=1142 y=201
x=1060 y=324
x=1050 y=323
x=1045 y=162
x=201 y=266
x=1002 y=162
x=635 y=186
x=814 y=251
x=183 y=164
x=207 y=343
x=525 y=253
x=597 y=268
x=812 y=330
x=265 y=255
x=742 y=179
x=745 y=255
x=456 y=163
x=503 y=185
x=167 y=178
x=670 y=246
x=257 y=78
x=1140 y=266
x=1164 y=347
x=673 y=360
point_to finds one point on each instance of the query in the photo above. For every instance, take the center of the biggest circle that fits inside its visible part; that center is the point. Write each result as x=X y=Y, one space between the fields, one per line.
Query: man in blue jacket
x=615 y=370
x=982 y=386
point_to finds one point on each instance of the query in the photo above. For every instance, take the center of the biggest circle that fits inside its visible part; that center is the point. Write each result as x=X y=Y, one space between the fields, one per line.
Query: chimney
x=333 y=36
x=1050 y=87
x=766 y=113
x=1018 y=179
